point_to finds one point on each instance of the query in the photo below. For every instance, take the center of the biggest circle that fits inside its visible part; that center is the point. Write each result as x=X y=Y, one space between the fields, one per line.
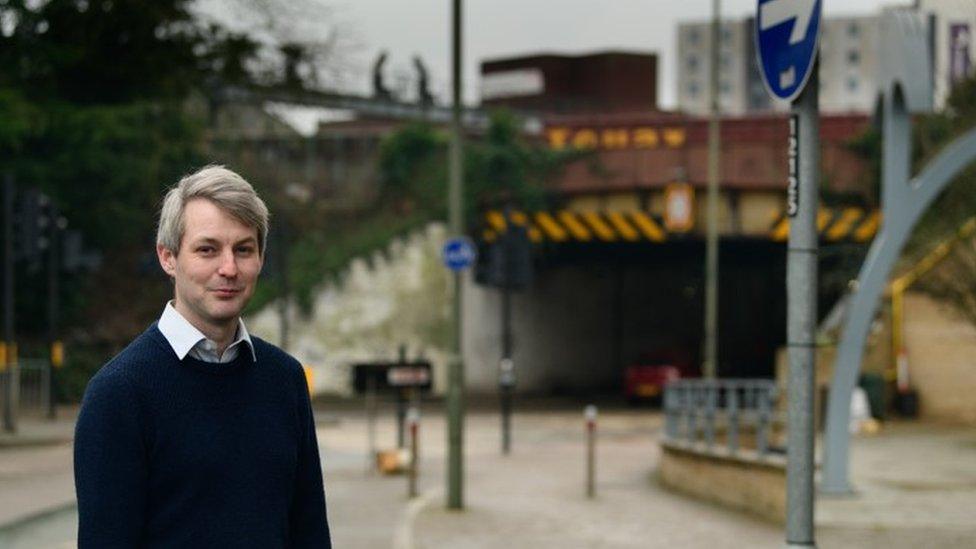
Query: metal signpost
x=787 y=38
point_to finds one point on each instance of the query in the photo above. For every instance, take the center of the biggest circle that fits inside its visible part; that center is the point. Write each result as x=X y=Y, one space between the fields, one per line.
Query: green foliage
x=932 y=133
x=99 y=52
x=323 y=253
x=500 y=166
x=413 y=164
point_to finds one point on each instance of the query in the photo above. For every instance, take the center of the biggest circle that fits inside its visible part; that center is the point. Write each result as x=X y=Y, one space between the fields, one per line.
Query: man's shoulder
x=140 y=351
x=272 y=354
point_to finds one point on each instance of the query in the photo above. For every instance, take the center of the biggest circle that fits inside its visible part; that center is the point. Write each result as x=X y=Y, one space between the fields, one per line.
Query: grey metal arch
x=903 y=202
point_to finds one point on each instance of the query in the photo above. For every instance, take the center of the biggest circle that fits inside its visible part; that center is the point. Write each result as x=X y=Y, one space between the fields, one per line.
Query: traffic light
x=32 y=224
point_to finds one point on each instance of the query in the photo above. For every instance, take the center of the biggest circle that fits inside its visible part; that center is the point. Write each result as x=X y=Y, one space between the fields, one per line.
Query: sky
x=502 y=28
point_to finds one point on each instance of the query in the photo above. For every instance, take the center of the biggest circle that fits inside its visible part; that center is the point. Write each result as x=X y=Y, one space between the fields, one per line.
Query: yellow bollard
x=57 y=354
x=309 y=378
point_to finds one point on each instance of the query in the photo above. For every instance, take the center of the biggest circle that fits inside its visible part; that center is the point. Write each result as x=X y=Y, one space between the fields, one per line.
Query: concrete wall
x=941 y=360
x=561 y=328
x=400 y=295
x=757 y=487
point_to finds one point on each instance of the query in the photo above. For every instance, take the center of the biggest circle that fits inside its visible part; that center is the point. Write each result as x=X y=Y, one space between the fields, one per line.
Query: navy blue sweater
x=172 y=453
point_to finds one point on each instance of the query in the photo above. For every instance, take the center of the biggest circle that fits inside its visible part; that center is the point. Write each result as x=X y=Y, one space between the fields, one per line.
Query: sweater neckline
x=241 y=363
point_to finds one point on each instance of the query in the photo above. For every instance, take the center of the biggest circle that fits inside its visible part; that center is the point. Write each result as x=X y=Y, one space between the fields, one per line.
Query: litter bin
x=874 y=386
x=907 y=403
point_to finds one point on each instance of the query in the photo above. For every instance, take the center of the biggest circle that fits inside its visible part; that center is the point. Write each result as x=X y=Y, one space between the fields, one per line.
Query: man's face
x=216 y=268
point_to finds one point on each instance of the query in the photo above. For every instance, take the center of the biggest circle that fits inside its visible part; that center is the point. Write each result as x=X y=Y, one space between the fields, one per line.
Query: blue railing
x=698 y=412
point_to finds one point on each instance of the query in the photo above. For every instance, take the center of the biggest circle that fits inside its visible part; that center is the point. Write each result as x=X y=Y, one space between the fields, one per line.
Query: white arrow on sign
x=776 y=12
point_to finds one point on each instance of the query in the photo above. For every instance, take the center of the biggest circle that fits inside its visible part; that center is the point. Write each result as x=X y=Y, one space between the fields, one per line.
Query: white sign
x=514 y=83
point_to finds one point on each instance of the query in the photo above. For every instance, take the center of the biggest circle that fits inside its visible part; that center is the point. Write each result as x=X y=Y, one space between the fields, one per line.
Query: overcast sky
x=502 y=28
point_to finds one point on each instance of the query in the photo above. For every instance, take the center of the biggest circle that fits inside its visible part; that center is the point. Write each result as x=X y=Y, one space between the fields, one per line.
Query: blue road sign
x=459 y=254
x=787 y=35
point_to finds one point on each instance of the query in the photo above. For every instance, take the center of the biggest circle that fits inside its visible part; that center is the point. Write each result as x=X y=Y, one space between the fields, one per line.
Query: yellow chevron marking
x=781 y=232
x=868 y=228
x=577 y=229
x=521 y=219
x=624 y=228
x=518 y=218
x=823 y=216
x=488 y=235
x=647 y=226
x=843 y=225
x=496 y=219
x=602 y=230
x=550 y=227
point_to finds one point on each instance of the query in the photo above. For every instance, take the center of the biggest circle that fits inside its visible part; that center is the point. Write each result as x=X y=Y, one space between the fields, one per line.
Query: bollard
x=413 y=421
x=370 y=424
x=590 y=414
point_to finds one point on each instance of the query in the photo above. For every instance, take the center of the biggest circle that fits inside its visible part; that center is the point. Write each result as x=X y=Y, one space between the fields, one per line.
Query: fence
x=31 y=380
x=699 y=412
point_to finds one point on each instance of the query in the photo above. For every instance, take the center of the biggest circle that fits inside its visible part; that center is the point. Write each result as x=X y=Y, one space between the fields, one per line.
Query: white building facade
x=953 y=23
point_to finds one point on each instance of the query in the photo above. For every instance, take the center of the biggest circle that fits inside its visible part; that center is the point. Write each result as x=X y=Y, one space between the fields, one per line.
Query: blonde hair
x=226 y=189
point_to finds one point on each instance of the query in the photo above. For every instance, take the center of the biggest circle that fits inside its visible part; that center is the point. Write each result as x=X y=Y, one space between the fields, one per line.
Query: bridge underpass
x=591 y=310
x=612 y=286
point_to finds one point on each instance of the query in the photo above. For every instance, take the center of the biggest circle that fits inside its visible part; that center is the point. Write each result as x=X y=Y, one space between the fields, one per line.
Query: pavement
x=916 y=487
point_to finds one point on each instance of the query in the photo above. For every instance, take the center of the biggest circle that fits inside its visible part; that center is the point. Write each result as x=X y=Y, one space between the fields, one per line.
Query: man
x=198 y=434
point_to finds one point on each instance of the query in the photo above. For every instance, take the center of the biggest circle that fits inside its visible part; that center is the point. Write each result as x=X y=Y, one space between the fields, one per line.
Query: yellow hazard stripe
x=824 y=215
x=781 y=231
x=577 y=229
x=868 y=227
x=602 y=230
x=496 y=220
x=624 y=228
x=488 y=235
x=648 y=226
x=519 y=218
x=843 y=225
x=550 y=227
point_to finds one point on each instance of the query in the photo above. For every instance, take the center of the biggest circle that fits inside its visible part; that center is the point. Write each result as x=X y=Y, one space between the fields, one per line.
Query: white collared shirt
x=186 y=339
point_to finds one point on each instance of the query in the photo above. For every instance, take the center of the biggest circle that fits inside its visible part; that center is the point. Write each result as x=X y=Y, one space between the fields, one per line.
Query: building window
x=853 y=30
x=693 y=89
x=725 y=61
x=724 y=87
x=692 y=62
x=693 y=35
x=726 y=35
x=852 y=84
x=853 y=57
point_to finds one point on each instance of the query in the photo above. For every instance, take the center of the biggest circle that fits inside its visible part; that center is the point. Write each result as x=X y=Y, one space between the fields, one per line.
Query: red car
x=645 y=379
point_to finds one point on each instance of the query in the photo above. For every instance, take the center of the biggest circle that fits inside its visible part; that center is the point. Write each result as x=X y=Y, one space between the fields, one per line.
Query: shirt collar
x=183 y=336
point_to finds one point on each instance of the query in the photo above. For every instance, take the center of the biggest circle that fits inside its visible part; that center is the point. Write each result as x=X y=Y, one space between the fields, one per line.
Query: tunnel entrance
x=593 y=309
x=653 y=301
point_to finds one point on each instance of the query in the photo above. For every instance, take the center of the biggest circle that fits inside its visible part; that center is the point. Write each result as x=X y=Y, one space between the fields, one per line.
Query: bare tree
x=307 y=42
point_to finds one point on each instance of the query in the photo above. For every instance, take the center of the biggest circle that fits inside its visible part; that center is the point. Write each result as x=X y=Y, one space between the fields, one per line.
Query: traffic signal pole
x=455 y=389
x=9 y=348
x=56 y=349
x=710 y=364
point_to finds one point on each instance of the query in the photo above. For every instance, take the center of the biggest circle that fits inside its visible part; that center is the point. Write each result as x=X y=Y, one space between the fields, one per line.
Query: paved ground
x=918 y=489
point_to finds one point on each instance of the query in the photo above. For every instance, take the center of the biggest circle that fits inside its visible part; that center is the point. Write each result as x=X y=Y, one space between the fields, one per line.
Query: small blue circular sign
x=459 y=254
x=787 y=36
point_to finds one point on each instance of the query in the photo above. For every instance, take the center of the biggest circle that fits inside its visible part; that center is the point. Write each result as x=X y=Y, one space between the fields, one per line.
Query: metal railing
x=31 y=381
x=699 y=412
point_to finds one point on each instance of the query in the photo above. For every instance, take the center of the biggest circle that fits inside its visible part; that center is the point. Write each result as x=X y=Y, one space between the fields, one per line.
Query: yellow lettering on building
x=585 y=139
x=674 y=137
x=646 y=138
x=615 y=139
x=558 y=137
